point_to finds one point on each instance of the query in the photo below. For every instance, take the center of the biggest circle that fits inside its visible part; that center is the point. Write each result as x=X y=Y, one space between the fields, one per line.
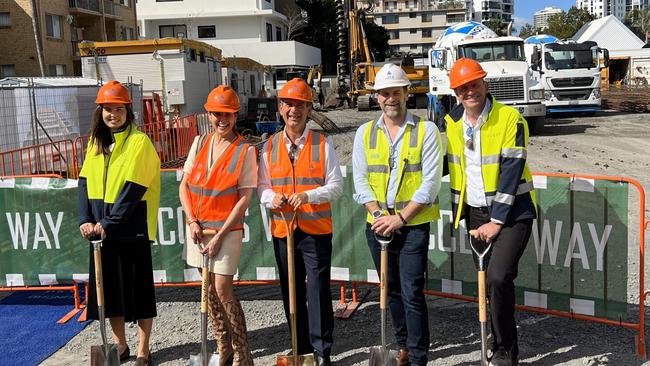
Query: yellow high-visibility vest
x=504 y=140
x=377 y=148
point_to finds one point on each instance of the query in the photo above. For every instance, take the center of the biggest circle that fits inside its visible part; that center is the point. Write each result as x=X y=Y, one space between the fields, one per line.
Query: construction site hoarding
x=576 y=260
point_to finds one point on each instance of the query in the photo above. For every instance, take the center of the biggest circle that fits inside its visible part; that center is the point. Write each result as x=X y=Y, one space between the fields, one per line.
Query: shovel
x=294 y=359
x=106 y=354
x=204 y=358
x=381 y=355
x=482 y=298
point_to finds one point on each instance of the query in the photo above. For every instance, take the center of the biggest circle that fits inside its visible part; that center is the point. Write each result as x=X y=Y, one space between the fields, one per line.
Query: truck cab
x=570 y=74
x=508 y=75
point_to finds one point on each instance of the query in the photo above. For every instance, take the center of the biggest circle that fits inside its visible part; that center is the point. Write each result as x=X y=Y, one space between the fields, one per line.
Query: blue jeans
x=407 y=264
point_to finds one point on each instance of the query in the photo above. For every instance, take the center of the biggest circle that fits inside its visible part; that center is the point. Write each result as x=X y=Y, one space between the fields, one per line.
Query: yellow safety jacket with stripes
x=123 y=188
x=377 y=148
x=506 y=178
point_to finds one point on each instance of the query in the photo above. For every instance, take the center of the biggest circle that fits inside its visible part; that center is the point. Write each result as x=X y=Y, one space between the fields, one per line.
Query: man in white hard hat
x=397 y=167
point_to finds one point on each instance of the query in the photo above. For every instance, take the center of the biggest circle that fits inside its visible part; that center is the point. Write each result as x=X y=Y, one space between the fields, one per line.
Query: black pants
x=313 y=260
x=502 y=270
x=407 y=263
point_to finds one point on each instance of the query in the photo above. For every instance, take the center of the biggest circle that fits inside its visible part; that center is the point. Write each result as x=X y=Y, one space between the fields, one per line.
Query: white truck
x=510 y=79
x=569 y=72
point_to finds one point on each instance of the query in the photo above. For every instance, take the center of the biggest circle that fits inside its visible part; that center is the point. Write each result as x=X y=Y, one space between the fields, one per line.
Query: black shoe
x=501 y=358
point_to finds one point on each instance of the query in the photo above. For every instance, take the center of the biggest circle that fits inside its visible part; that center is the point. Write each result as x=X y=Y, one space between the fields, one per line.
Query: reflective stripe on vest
x=494 y=149
x=377 y=149
x=308 y=173
x=213 y=194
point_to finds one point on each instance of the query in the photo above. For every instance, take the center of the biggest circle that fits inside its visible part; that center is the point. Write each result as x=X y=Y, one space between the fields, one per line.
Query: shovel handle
x=383 y=281
x=205 y=284
x=482 y=298
x=99 y=281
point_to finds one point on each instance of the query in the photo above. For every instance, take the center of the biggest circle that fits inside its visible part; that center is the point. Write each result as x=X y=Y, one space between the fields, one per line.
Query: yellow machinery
x=364 y=68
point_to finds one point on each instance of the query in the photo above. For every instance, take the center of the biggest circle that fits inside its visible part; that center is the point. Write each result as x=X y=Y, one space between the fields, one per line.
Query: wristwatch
x=377 y=214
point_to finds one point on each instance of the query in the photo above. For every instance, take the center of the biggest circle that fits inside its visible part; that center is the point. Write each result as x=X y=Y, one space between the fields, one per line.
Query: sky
x=524 y=9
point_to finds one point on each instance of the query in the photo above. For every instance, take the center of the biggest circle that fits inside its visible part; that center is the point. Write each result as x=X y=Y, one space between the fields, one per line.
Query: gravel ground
x=610 y=143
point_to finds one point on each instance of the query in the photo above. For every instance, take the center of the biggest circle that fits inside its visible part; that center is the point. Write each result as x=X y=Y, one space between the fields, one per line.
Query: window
x=7 y=71
x=125 y=3
x=390 y=5
x=413 y=31
x=253 y=91
x=390 y=19
x=278 y=33
x=413 y=15
x=426 y=17
x=202 y=57
x=426 y=33
x=393 y=35
x=54 y=26
x=127 y=34
x=233 y=82
x=5 y=20
x=410 y=4
x=56 y=70
x=269 y=33
x=413 y=47
x=190 y=55
x=178 y=31
x=207 y=31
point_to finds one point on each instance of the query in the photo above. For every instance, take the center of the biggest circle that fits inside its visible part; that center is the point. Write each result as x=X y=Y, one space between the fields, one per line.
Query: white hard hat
x=390 y=75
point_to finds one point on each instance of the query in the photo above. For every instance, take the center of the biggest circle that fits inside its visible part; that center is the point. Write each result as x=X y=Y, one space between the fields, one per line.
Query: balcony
x=93 y=7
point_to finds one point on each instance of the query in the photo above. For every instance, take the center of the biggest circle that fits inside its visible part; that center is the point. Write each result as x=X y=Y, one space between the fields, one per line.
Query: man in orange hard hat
x=299 y=174
x=492 y=190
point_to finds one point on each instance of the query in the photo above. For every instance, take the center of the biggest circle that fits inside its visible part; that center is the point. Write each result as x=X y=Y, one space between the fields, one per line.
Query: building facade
x=617 y=8
x=415 y=25
x=256 y=29
x=540 y=18
x=62 y=24
x=482 y=10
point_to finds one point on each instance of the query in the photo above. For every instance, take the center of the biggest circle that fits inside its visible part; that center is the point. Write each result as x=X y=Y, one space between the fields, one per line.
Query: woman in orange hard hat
x=119 y=196
x=220 y=174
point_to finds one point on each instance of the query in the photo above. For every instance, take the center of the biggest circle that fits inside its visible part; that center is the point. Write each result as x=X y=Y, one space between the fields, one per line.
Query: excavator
x=356 y=87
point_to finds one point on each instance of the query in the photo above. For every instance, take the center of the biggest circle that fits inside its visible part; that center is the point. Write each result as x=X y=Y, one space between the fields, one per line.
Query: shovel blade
x=380 y=356
x=303 y=360
x=99 y=356
x=197 y=360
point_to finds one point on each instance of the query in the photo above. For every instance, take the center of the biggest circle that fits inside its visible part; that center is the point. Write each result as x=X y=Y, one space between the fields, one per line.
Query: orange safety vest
x=214 y=195
x=308 y=173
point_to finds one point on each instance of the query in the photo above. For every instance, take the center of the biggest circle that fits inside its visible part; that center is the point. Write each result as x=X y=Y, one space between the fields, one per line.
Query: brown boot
x=243 y=356
x=403 y=357
x=221 y=328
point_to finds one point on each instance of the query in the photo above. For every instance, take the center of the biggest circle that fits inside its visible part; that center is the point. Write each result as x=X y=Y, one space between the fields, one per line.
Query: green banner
x=576 y=259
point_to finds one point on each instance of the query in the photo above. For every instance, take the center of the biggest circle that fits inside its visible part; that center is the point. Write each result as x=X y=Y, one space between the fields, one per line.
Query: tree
x=296 y=22
x=321 y=31
x=565 y=24
x=498 y=26
x=528 y=30
x=377 y=41
x=36 y=25
x=639 y=22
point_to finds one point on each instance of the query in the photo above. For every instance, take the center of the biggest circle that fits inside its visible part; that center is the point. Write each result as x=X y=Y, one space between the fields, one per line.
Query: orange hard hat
x=113 y=92
x=222 y=99
x=297 y=89
x=464 y=71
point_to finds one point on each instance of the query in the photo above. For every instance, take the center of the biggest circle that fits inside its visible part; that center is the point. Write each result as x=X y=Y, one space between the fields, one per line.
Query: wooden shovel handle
x=99 y=281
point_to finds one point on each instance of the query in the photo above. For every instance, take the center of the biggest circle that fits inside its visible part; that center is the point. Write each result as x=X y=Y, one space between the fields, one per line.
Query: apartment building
x=617 y=8
x=256 y=29
x=62 y=24
x=540 y=18
x=415 y=25
x=482 y=10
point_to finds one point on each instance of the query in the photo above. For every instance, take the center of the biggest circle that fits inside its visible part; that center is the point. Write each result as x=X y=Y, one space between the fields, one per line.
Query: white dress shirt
x=332 y=189
x=475 y=189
